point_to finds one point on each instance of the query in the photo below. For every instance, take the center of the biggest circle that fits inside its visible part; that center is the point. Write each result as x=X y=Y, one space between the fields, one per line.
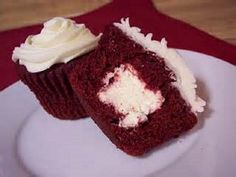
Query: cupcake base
x=53 y=90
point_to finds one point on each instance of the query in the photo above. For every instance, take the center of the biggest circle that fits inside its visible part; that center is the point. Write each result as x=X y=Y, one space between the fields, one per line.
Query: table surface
x=217 y=17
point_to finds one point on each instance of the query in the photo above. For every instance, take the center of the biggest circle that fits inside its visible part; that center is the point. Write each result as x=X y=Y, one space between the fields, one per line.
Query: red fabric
x=142 y=14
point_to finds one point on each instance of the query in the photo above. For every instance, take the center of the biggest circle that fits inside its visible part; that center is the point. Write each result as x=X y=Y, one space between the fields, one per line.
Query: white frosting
x=128 y=95
x=186 y=83
x=60 y=41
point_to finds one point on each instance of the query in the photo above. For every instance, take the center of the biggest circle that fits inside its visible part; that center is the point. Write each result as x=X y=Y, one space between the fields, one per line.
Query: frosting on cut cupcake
x=185 y=81
x=60 y=41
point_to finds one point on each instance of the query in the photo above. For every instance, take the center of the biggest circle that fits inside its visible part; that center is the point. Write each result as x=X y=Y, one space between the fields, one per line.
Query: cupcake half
x=43 y=61
x=137 y=90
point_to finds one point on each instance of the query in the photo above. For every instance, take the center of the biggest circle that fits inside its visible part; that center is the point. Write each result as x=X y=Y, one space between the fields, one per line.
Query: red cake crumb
x=114 y=49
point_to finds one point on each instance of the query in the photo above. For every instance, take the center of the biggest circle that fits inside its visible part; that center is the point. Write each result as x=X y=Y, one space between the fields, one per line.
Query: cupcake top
x=60 y=41
x=185 y=81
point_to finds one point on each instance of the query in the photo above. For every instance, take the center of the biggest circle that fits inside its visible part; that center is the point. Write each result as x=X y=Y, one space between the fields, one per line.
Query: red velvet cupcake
x=139 y=92
x=44 y=59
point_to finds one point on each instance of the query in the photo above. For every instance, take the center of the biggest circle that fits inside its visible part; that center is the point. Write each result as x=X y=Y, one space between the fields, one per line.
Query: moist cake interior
x=116 y=49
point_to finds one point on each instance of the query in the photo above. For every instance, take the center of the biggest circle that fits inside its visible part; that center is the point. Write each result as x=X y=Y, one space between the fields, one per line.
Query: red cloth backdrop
x=143 y=14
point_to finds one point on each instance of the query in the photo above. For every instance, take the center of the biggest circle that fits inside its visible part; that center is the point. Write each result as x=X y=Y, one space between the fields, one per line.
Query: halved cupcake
x=139 y=92
x=44 y=59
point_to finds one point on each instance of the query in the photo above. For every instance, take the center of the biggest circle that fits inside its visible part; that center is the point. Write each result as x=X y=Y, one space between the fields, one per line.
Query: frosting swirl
x=60 y=41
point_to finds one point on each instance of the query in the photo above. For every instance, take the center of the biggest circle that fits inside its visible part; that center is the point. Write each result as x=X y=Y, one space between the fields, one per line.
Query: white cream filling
x=128 y=95
x=186 y=83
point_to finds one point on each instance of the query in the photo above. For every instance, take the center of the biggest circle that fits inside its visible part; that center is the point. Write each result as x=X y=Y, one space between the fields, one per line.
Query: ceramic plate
x=32 y=143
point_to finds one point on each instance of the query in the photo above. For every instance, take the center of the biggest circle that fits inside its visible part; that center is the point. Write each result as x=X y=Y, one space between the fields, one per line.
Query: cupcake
x=43 y=61
x=138 y=91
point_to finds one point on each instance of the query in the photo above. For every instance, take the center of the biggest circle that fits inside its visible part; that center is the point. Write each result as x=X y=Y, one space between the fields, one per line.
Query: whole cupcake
x=44 y=60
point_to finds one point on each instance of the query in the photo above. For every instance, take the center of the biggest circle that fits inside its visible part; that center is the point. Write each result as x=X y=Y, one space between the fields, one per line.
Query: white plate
x=30 y=139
